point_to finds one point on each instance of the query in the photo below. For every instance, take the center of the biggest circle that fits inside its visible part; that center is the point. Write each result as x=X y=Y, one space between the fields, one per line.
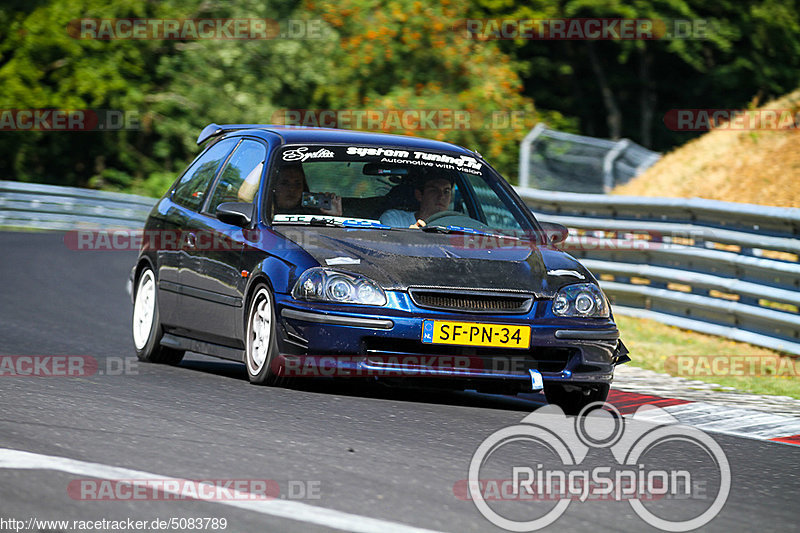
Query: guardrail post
x=525 y=153
x=608 y=164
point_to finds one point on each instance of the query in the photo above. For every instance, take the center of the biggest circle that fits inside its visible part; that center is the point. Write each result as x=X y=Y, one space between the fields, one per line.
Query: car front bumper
x=331 y=341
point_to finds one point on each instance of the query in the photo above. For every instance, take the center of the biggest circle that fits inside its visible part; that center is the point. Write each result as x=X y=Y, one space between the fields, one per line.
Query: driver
x=433 y=194
x=290 y=184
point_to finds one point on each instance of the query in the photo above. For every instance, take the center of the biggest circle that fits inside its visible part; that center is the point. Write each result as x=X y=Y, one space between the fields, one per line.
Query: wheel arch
x=255 y=281
x=140 y=264
x=143 y=262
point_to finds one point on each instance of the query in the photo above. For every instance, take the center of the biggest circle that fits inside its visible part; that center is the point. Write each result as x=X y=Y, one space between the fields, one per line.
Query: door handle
x=191 y=240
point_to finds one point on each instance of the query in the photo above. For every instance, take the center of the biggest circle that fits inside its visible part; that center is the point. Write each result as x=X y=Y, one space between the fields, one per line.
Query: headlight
x=324 y=285
x=581 y=300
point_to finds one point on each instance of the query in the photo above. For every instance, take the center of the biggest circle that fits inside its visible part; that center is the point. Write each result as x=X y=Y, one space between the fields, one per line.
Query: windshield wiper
x=447 y=229
x=462 y=229
x=327 y=222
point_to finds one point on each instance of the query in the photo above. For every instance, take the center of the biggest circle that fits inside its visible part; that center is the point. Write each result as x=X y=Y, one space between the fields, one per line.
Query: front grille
x=471 y=301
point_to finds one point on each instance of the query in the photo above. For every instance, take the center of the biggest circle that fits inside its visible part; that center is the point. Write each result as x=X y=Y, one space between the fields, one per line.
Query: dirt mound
x=757 y=166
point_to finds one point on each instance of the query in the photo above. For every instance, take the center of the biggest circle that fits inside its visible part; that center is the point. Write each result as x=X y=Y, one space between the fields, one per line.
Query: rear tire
x=261 y=345
x=147 y=332
x=573 y=398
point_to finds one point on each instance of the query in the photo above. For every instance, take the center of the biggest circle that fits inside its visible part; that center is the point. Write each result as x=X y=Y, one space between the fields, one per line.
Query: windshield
x=390 y=187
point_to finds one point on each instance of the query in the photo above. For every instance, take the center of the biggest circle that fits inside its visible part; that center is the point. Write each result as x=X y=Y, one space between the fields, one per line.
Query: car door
x=211 y=275
x=186 y=198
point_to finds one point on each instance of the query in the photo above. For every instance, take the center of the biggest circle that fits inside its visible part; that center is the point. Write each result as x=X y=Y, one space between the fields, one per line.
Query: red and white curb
x=633 y=379
x=713 y=418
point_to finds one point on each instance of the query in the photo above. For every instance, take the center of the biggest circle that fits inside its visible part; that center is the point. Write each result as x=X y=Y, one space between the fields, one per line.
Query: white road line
x=17 y=459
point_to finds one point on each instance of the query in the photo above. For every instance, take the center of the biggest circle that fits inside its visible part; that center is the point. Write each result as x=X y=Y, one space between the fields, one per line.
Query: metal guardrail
x=559 y=161
x=50 y=207
x=721 y=268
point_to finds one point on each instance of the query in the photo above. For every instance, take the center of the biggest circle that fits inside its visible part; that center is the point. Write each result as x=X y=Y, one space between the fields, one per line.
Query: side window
x=494 y=208
x=191 y=189
x=241 y=176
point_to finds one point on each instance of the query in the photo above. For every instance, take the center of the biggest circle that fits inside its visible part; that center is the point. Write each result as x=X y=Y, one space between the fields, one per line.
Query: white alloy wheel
x=259 y=332
x=144 y=309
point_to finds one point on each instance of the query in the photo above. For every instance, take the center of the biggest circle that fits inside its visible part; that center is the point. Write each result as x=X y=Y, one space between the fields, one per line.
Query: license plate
x=476 y=334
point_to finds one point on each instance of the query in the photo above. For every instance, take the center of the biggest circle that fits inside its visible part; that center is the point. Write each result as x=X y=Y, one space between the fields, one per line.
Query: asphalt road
x=365 y=453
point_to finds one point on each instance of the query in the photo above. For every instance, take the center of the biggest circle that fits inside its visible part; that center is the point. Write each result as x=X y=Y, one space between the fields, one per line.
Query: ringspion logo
x=539 y=467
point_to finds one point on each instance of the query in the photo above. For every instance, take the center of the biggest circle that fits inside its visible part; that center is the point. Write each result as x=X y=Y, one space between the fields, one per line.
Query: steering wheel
x=441 y=214
x=456 y=218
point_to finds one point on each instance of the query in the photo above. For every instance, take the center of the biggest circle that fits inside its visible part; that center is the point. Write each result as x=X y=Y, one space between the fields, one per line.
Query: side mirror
x=554 y=233
x=237 y=213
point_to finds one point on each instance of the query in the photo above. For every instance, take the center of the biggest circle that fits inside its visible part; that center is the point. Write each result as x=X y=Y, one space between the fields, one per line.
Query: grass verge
x=696 y=356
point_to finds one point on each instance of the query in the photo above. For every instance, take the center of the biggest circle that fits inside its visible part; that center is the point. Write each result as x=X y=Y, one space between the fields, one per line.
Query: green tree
x=624 y=87
x=407 y=54
x=173 y=88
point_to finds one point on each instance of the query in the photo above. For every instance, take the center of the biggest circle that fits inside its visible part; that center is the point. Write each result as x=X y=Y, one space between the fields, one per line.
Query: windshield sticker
x=387 y=152
x=344 y=221
x=463 y=163
x=302 y=154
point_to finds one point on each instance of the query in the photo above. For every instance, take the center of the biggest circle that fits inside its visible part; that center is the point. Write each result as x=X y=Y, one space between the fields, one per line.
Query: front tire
x=147 y=332
x=573 y=398
x=261 y=347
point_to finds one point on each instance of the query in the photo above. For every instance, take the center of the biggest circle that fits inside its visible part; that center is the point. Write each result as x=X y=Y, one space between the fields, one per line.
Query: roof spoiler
x=212 y=130
x=209 y=131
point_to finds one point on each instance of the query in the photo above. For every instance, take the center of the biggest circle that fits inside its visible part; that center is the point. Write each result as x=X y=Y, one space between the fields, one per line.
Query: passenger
x=433 y=194
x=287 y=194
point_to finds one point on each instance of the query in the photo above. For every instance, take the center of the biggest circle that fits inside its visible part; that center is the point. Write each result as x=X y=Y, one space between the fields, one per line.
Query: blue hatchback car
x=309 y=252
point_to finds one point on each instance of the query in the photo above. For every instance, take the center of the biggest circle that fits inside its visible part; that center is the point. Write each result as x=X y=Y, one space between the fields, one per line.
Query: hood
x=399 y=259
